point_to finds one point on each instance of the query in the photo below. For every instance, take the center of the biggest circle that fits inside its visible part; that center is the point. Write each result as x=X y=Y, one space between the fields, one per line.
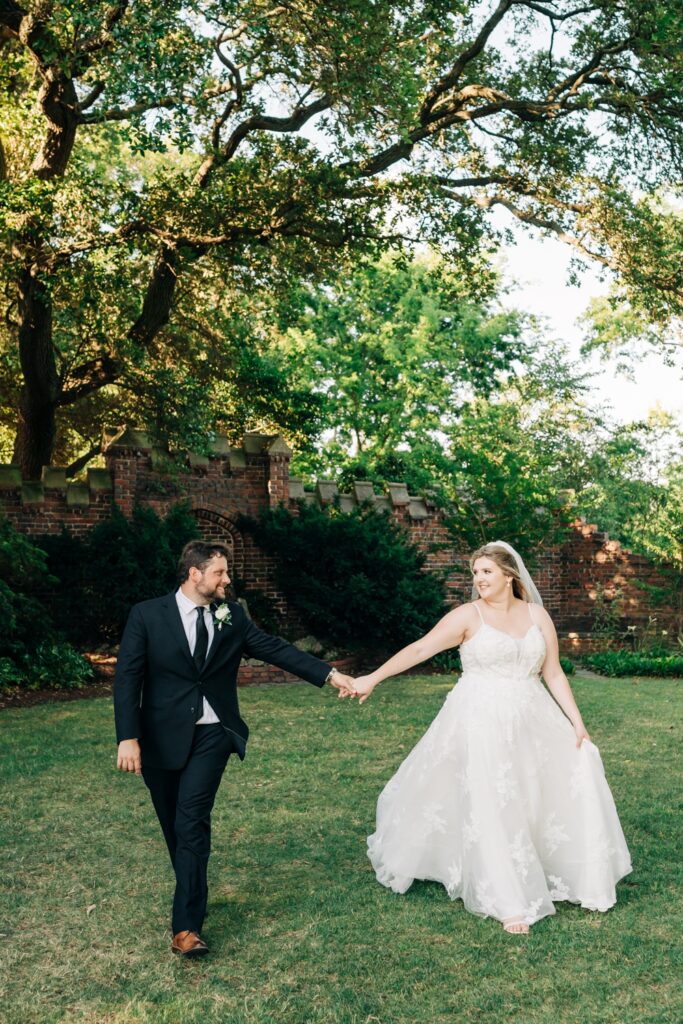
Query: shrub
x=119 y=563
x=32 y=652
x=57 y=664
x=634 y=663
x=567 y=666
x=23 y=573
x=133 y=560
x=352 y=578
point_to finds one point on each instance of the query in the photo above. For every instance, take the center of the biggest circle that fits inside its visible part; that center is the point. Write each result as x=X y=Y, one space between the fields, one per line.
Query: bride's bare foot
x=516 y=927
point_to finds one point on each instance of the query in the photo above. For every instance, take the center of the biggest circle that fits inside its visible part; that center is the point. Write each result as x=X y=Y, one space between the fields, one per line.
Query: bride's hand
x=581 y=734
x=363 y=688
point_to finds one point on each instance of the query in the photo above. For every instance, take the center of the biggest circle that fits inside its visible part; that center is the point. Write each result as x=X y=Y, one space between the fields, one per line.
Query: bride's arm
x=448 y=632
x=556 y=680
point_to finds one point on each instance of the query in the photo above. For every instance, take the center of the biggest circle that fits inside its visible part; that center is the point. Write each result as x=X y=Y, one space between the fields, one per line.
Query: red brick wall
x=234 y=481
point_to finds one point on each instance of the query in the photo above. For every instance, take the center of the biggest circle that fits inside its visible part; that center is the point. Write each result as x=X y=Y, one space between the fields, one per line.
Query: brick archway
x=216 y=525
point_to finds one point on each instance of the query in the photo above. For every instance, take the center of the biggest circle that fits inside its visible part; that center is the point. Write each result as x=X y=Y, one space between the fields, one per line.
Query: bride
x=504 y=799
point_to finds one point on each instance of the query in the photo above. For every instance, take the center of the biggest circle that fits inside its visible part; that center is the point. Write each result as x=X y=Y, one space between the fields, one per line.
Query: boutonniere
x=222 y=616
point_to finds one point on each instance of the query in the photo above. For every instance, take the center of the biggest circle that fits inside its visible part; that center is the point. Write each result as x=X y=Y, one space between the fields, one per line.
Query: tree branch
x=123 y=113
x=553 y=15
x=544 y=223
x=99 y=242
x=160 y=102
x=82 y=461
x=447 y=81
x=232 y=35
x=517 y=185
x=89 y=377
x=102 y=38
x=259 y=122
x=91 y=97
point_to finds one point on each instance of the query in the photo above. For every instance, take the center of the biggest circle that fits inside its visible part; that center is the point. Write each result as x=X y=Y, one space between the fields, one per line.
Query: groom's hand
x=343 y=683
x=129 y=759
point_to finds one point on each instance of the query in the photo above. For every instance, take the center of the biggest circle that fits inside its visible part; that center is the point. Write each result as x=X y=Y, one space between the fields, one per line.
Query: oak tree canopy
x=166 y=169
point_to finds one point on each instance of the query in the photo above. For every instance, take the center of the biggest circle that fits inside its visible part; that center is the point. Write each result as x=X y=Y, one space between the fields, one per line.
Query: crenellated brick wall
x=234 y=481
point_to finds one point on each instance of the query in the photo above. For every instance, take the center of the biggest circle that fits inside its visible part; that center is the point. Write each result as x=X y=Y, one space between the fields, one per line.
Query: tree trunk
x=36 y=431
x=58 y=100
x=156 y=306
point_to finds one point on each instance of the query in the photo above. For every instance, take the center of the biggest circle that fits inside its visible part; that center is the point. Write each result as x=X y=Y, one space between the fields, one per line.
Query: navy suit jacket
x=157 y=688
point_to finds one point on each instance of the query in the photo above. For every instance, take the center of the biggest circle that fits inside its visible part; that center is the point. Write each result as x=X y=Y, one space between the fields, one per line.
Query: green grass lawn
x=300 y=932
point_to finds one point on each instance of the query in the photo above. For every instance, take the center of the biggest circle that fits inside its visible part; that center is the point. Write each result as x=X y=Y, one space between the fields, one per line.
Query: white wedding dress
x=496 y=801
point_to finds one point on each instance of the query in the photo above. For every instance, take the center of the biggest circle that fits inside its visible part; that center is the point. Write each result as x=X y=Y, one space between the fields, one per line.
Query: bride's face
x=489 y=579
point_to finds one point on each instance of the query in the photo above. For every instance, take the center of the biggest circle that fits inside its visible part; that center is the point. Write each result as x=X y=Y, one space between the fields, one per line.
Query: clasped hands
x=347 y=686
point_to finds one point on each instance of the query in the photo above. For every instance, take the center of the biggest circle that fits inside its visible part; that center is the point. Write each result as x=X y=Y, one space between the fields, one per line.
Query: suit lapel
x=175 y=622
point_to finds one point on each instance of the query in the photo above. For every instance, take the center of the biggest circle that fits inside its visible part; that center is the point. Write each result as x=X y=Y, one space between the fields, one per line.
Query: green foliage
x=216 y=153
x=32 y=652
x=424 y=383
x=568 y=666
x=119 y=563
x=23 y=576
x=635 y=489
x=634 y=663
x=394 y=349
x=419 y=381
x=57 y=665
x=607 y=619
x=352 y=578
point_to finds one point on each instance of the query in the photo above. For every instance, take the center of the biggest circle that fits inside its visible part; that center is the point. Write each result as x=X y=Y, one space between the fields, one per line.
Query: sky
x=539 y=268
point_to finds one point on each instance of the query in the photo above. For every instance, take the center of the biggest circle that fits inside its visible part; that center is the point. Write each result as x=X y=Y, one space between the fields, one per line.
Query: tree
x=291 y=137
x=393 y=350
x=423 y=384
x=634 y=488
x=420 y=383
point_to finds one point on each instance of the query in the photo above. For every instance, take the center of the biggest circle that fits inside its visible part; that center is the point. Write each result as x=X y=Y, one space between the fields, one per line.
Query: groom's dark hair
x=198 y=553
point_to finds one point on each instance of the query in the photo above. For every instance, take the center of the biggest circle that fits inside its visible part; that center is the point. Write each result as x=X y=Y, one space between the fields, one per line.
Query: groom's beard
x=215 y=594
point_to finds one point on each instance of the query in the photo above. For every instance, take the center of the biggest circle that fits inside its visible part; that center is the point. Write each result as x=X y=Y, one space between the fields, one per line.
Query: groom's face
x=213 y=580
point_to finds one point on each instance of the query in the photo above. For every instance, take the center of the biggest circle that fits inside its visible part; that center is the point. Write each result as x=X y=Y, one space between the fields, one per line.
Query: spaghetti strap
x=479 y=611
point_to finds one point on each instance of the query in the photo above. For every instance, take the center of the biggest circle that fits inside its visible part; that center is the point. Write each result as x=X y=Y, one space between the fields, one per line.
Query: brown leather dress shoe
x=189 y=944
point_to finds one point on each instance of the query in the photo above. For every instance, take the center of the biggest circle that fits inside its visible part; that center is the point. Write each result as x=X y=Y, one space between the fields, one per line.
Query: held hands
x=343 y=683
x=362 y=687
x=129 y=759
x=350 y=687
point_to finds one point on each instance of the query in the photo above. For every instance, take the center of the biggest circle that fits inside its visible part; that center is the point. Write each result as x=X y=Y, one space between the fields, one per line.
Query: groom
x=177 y=716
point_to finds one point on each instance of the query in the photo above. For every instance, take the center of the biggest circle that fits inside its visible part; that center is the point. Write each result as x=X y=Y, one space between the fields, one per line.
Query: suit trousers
x=183 y=800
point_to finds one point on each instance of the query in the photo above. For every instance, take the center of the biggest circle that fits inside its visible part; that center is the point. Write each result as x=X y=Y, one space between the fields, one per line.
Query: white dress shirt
x=188 y=613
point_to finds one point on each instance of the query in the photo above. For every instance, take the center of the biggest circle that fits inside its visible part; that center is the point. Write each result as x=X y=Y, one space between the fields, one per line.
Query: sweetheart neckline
x=495 y=629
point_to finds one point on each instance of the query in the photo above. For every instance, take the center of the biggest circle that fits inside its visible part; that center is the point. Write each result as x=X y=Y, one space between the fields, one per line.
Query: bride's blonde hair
x=506 y=562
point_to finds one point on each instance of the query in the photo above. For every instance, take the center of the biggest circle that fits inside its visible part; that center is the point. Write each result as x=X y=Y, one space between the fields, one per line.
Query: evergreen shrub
x=119 y=563
x=33 y=653
x=634 y=663
x=353 y=578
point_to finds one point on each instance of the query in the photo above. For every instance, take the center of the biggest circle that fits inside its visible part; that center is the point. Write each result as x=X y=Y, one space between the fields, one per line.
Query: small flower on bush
x=222 y=616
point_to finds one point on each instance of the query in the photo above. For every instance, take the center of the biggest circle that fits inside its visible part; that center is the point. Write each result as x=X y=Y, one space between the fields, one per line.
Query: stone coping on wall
x=253 y=443
x=327 y=492
x=53 y=482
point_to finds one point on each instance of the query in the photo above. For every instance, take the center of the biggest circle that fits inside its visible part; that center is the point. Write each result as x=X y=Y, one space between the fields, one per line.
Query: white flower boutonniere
x=222 y=616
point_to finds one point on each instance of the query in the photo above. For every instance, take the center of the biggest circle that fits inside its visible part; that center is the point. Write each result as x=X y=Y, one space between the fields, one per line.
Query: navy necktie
x=202 y=642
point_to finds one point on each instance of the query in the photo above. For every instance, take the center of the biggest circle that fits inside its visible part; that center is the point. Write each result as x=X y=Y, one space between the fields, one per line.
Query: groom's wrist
x=330 y=675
